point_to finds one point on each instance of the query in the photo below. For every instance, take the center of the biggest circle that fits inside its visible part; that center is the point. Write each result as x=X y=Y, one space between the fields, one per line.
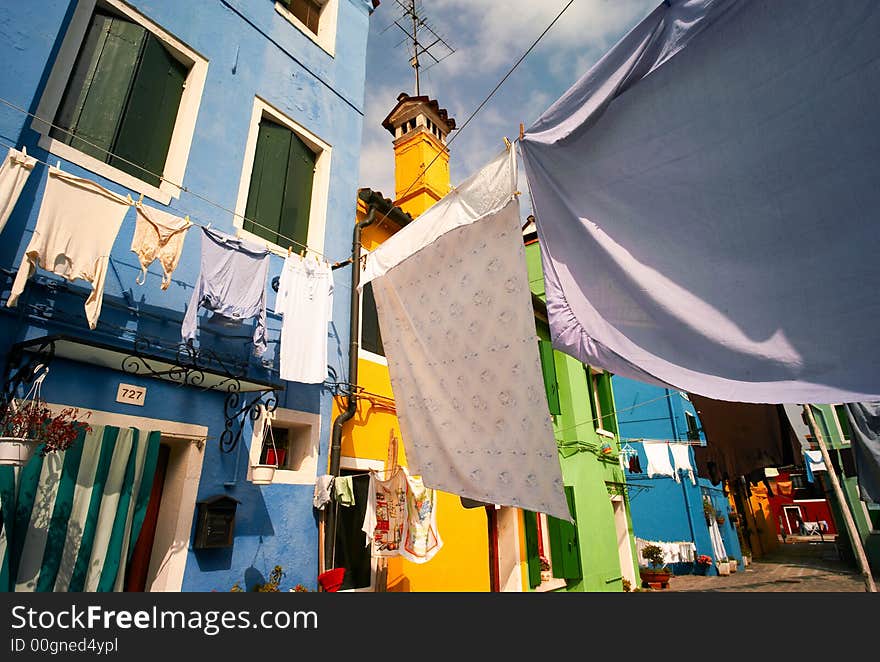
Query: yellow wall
x=762 y=521
x=462 y=564
x=412 y=154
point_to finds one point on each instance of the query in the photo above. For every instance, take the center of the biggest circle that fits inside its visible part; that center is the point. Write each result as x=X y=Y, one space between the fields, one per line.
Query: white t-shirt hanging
x=305 y=301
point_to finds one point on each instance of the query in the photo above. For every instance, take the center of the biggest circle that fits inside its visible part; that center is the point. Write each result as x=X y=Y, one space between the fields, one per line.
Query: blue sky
x=488 y=37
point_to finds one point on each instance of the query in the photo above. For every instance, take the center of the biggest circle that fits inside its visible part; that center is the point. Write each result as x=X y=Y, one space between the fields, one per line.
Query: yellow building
x=368 y=440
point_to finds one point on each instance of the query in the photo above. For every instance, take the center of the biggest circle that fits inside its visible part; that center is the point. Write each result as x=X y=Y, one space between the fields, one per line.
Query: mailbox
x=215 y=525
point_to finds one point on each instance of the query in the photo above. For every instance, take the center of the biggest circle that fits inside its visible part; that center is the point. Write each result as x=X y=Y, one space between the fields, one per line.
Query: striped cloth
x=75 y=516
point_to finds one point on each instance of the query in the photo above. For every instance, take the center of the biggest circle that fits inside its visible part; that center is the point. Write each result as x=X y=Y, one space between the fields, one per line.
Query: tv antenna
x=424 y=38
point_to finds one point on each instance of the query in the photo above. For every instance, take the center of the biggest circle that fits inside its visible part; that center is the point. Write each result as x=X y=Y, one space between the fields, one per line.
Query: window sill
x=372 y=358
x=107 y=171
x=260 y=241
x=604 y=433
x=289 y=477
x=299 y=25
x=552 y=585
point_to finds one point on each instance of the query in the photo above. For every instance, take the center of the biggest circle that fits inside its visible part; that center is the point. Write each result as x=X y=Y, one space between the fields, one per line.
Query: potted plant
x=702 y=563
x=747 y=558
x=656 y=575
x=708 y=511
x=720 y=519
x=723 y=566
x=733 y=564
x=546 y=574
x=264 y=473
x=29 y=424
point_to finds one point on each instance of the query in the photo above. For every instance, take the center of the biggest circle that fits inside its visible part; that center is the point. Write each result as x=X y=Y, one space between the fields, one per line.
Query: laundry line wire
x=163 y=178
x=482 y=104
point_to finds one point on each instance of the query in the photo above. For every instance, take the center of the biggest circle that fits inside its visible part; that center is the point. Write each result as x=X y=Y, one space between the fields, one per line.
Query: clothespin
x=289 y=250
x=141 y=201
x=302 y=254
x=506 y=142
x=58 y=164
x=522 y=130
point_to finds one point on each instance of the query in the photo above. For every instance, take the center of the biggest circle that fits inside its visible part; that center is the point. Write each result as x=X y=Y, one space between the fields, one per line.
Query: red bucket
x=331 y=580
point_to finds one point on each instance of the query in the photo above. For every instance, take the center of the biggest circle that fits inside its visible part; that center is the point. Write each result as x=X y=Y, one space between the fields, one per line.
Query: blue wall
x=667 y=511
x=252 y=51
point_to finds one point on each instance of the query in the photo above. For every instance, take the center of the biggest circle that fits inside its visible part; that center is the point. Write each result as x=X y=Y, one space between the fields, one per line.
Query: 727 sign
x=131 y=395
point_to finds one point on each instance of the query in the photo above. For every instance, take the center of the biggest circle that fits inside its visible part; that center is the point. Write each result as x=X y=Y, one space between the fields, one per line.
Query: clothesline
x=336 y=264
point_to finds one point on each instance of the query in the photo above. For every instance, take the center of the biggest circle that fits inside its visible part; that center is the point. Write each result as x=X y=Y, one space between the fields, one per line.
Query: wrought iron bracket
x=22 y=369
x=237 y=409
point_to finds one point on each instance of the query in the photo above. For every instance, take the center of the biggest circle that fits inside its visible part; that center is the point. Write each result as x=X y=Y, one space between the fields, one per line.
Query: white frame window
x=326 y=37
x=320 y=182
x=184 y=127
x=304 y=432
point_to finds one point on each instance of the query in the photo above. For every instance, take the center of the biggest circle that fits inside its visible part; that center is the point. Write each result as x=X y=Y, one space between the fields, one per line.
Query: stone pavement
x=794 y=567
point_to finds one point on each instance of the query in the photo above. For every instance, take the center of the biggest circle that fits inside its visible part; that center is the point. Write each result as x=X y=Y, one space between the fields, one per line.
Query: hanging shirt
x=343 y=490
x=158 y=235
x=14 y=173
x=305 y=301
x=681 y=457
x=323 y=486
x=386 y=514
x=421 y=541
x=231 y=283
x=76 y=228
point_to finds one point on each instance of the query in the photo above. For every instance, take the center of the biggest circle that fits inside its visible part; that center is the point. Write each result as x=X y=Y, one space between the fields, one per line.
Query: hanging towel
x=343 y=490
x=231 y=283
x=458 y=328
x=738 y=128
x=158 y=235
x=421 y=540
x=658 y=459
x=864 y=421
x=75 y=231
x=323 y=485
x=305 y=301
x=386 y=514
x=14 y=173
x=813 y=461
x=681 y=458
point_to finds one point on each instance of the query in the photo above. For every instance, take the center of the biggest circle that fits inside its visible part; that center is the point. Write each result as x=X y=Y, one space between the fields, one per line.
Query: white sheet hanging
x=458 y=329
x=686 y=187
x=14 y=173
x=658 y=459
x=681 y=460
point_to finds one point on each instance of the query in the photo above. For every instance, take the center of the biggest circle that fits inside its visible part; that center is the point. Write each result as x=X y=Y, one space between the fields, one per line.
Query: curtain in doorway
x=71 y=519
x=717 y=541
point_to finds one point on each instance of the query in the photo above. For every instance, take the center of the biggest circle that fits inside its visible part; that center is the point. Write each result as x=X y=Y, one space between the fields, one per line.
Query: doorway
x=139 y=564
x=624 y=549
x=793 y=519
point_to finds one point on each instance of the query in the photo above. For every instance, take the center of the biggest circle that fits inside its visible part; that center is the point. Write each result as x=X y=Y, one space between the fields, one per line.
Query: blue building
x=243 y=115
x=669 y=510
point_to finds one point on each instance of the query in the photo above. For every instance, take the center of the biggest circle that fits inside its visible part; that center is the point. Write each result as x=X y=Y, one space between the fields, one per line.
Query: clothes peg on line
x=522 y=130
x=506 y=142
x=302 y=254
x=141 y=201
x=289 y=250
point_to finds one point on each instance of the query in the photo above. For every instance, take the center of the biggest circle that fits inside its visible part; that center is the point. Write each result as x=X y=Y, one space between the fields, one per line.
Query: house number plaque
x=131 y=395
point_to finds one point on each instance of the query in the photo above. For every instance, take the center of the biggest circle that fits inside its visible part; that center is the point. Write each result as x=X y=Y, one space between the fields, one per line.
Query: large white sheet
x=458 y=330
x=706 y=199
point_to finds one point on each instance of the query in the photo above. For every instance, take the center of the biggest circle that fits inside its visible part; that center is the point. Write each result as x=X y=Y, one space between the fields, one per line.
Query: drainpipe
x=351 y=408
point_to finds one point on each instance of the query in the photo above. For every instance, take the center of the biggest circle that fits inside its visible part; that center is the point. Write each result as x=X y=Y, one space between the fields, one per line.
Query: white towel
x=658 y=459
x=681 y=458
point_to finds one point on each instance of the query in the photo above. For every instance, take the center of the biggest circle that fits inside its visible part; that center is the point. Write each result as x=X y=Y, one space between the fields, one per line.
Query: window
x=693 y=430
x=371 y=336
x=548 y=368
x=295 y=450
x=352 y=551
x=282 y=198
x=601 y=404
x=123 y=97
x=843 y=421
x=316 y=19
x=552 y=549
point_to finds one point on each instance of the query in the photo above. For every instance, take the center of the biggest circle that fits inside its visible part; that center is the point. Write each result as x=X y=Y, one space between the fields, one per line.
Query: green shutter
x=266 y=193
x=530 y=521
x=564 y=553
x=145 y=131
x=298 y=191
x=96 y=94
x=548 y=367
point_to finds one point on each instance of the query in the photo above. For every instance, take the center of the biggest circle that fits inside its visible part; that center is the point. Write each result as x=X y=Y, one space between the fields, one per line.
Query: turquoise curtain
x=71 y=519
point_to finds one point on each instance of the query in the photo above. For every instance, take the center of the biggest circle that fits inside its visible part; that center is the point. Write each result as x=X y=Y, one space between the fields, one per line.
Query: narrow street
x=799 y=567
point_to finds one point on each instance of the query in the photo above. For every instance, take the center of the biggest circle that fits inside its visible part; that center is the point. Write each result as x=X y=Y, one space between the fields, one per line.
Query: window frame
x=554 y=583
x=366 y=354
x=327 y=24
x=288 y=418
x=320 y=179
x=184 y=125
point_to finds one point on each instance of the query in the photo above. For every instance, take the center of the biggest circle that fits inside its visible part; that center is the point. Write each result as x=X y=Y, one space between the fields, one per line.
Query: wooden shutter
x=548 y=367
x=530 y=526
x=298 y=191
x=145 y=131
x=307 y=11
x=266 y=193
x=94 y=101
x=564 y=552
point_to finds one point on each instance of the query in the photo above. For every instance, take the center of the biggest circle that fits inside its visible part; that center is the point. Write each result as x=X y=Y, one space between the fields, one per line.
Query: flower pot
x=700 y=568
x=276 y=456
x=16 y=452
x=723 y=568
x=747 y=560
x=655 y=577
x=331 y=580
x=733 y=563
x=262 y=474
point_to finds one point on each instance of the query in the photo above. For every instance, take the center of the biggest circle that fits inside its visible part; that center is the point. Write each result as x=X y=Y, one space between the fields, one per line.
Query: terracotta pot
x=16 y=452
x=654 y=577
